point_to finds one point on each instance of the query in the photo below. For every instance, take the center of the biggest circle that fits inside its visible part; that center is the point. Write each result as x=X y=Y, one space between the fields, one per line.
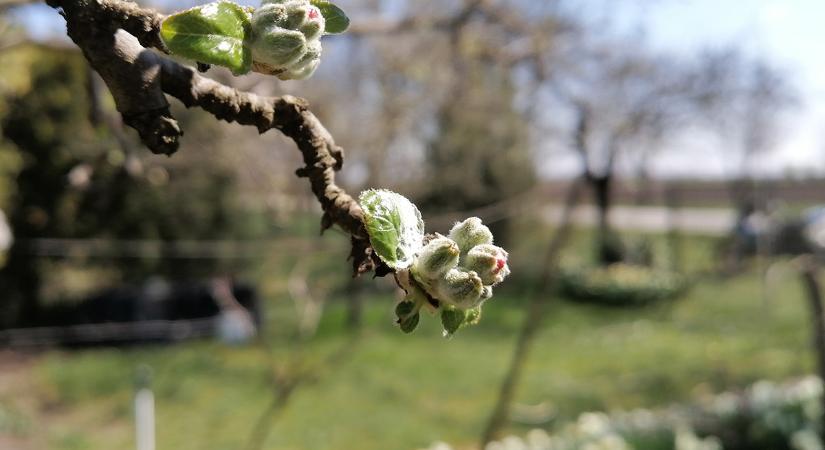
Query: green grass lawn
x=397 y=391
x=388 y=390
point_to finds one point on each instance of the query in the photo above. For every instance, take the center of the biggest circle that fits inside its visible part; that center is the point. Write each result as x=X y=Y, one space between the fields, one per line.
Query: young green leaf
x=409 y=324
x=394 y=226
x=213 y=34
x=404 y=309
x=408 y=316
x=452 y=319
x=336 y=20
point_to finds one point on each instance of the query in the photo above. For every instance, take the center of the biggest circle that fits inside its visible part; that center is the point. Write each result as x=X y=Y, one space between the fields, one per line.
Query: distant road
x=709 y=221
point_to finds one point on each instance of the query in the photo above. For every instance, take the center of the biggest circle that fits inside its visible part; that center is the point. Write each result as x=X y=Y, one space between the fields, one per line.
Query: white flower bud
x=436 y=258
x=460 y=288
x=489 y=262
x=469 y=233
x=306 y=66
x=285 y=38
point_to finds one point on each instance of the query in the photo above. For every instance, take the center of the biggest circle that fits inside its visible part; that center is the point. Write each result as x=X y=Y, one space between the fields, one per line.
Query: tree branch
x=114 y=36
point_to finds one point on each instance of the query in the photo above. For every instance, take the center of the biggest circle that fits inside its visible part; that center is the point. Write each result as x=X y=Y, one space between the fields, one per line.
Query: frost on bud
x=437 y=257
x=470 y=233
x=489 y=262
x=285 y=38
x=460 y=288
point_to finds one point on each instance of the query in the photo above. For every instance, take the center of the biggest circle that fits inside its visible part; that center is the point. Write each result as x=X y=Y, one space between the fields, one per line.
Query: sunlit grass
x=393 y=391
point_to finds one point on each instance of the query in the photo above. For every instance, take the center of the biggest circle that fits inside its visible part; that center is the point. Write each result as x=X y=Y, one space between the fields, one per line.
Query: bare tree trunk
x=673 y=202
x=532 y=322
x=608 y=249
x=810 y=279
x=20 y=282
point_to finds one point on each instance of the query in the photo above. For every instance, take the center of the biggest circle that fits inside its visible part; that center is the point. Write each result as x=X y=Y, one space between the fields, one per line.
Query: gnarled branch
x=114 y=36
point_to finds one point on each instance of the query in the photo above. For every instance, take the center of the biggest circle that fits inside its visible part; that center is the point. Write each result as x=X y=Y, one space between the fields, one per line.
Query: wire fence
x=113 y=332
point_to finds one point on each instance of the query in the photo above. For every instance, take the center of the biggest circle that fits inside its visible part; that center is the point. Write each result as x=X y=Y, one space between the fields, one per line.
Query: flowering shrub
x=766 y=415
x=620 y=284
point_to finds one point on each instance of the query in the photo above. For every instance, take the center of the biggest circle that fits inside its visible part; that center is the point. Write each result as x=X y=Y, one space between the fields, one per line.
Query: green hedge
x=620 y=284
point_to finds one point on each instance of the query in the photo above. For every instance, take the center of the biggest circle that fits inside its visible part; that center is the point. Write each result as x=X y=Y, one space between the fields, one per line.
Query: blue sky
x=789 y=32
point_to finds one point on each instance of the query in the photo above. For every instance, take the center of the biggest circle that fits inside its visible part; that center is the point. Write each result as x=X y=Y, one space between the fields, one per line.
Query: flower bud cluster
x=286 y=38
x=461 y=270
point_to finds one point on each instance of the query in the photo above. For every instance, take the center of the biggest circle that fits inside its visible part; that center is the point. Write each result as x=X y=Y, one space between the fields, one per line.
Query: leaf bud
x=460 y=288
x=304 y=67
x=285 y=38
x=469 y=233
x=437 y=257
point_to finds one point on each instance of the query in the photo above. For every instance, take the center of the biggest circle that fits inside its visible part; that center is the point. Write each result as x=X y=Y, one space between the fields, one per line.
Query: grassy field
x=385 y=390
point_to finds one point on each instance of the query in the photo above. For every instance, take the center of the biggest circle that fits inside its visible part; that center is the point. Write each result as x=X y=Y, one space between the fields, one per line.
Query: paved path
x=709 y=221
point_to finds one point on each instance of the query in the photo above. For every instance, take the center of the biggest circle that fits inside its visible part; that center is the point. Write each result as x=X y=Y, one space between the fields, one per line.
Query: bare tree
x=625 y=102
x=750 y=123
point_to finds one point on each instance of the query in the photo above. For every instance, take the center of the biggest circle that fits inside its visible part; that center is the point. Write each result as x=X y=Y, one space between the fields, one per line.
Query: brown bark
x=114 y=36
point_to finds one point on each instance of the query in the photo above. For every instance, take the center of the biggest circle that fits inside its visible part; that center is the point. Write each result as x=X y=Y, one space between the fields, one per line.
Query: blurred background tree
x=488 y=106
x=479 y=156
x=81 y=176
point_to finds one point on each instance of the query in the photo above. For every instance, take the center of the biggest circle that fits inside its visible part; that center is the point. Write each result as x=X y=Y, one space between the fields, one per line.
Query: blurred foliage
x=766 y=415
x=82 y=176
x=620 y=284
x=719 y=337
x=480 y=154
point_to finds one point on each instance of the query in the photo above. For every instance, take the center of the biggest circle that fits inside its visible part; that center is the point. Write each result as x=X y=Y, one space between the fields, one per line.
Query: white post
x=144 y=411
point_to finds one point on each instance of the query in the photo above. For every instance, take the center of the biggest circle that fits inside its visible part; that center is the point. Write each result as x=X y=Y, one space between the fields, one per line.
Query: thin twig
x=533 y=319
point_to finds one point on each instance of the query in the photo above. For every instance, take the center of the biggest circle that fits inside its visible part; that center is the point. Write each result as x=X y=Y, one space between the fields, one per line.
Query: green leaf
x=452 y=319
x=408 y=316
x=394 y=226
x=213 y=33
x=409 y=324
x=336 y=21
x=404 y=309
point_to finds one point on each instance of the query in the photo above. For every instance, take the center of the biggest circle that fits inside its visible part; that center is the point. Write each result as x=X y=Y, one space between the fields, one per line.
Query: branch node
x=158 y=130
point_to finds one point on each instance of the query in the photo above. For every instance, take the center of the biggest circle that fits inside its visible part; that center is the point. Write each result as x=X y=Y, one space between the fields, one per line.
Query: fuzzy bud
x=305 y=66
x=285 y=38
x=460 y=288
x=437 y=257
x=469 y=233
x=486 y=293
x=489 y=262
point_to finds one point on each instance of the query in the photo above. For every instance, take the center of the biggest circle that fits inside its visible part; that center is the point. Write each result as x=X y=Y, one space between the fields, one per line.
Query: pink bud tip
x=499 y=265
x=314 y=13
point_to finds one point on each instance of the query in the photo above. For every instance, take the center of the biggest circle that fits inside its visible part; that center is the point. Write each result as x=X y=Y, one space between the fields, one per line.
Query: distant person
x=235 y=324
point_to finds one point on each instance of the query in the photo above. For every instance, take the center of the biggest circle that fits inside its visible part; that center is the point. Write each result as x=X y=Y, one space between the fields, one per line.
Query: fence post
x=144 y=410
